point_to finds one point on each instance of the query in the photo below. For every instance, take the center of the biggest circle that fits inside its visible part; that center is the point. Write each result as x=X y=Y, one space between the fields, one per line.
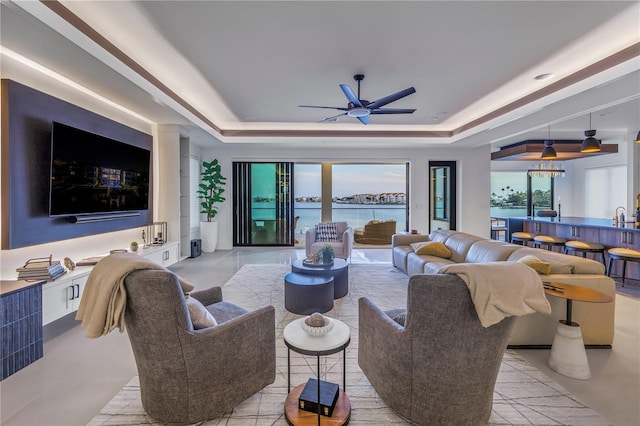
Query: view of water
x=356 y=215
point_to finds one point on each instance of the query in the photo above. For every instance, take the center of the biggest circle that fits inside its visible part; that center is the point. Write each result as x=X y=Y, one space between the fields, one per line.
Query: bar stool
x=522 y=238
x=585 y=247
x=549 y=241
x=626 y=255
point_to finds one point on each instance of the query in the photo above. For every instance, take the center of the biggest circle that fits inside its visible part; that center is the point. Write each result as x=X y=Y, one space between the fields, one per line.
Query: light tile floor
x=74 y=379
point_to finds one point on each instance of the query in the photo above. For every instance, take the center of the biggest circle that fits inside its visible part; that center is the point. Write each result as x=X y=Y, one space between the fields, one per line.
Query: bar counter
x=583 y=221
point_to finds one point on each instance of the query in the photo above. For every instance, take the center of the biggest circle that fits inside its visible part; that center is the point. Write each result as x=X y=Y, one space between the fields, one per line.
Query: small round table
x=339 y=270
x=299 y=341
x=568 y=356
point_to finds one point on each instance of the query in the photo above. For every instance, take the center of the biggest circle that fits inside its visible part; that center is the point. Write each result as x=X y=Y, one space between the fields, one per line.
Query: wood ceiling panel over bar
x=530 y=150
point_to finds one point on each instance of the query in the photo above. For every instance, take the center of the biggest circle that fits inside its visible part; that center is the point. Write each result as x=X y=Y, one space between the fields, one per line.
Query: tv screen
x=93 y=174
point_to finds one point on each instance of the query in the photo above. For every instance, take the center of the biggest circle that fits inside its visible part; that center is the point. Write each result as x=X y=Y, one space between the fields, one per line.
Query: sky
x=349 y=179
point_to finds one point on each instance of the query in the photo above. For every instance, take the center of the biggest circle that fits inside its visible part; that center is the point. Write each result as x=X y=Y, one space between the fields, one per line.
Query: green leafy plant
x=211 y=188
x=326 y=253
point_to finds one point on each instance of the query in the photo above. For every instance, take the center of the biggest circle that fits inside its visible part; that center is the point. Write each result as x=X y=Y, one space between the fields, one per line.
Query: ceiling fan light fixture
x=358 y=112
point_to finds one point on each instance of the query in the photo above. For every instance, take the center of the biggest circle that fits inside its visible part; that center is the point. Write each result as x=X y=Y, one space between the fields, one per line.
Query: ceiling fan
x=361 y=108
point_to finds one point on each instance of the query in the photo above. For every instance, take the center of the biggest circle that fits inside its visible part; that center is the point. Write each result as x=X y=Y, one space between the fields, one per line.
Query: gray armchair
x=188 y=375
x=441 y=366
x=342 y=247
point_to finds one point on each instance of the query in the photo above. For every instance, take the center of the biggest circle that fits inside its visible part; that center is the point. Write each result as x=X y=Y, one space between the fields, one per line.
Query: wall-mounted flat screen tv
x=93 y=174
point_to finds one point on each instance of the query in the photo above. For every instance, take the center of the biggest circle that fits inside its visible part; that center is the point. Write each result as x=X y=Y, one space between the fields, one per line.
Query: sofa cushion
x=431 y=248
x=459 y=244
x=326 y=231
x=535 y=263
x=200 y=316
x=560 y=263
x=490 y=251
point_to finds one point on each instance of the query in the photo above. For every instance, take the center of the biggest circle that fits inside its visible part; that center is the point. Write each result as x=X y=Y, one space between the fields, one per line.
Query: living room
x=190 y=133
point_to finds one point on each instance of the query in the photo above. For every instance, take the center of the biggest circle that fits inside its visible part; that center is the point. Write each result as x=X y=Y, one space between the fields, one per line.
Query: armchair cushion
x=327 y=231
x=200 y=316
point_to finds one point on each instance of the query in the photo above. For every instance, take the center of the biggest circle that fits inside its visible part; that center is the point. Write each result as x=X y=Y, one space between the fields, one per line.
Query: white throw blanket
x=501 y=289
x=104 y=297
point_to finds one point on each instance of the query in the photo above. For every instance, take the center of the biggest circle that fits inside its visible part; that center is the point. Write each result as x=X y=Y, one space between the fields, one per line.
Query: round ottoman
x=306 y=294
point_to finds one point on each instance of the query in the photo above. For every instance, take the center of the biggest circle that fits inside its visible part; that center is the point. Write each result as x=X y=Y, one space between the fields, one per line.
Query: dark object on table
x=308 y=400
x=546 y=213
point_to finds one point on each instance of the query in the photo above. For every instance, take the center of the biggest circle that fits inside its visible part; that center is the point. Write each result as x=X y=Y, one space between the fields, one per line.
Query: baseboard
x=549 y=346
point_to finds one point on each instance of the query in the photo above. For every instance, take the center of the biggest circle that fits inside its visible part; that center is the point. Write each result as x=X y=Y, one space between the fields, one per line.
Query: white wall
x=473 y=179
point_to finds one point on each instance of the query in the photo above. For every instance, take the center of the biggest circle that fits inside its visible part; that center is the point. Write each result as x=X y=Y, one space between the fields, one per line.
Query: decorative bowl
x=318 y=331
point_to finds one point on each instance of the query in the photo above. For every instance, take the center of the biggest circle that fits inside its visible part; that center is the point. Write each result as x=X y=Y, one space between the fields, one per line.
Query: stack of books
x=41 y=269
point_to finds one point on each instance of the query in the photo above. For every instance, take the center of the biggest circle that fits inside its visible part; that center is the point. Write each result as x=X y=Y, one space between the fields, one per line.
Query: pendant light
x=549 y=151
x=590 y=144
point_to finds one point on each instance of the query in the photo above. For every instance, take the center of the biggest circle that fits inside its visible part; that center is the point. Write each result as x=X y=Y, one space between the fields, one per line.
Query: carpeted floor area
x=523 y=395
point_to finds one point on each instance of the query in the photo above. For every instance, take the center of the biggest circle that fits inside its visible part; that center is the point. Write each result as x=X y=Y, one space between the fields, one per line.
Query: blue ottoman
x=306 y=294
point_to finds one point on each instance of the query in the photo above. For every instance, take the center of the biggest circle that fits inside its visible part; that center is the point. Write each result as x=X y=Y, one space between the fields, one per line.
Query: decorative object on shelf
x=42 y=268
x=317 y=324
x=68 y=263
x=590 y=144
x=327 y=254
x=134 y=246
x=156 y=234
x=116 y=251
x=210 y=193
x=546 y=168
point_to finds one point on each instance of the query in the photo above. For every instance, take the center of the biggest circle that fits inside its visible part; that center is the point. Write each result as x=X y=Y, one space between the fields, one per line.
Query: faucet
x=615 y=218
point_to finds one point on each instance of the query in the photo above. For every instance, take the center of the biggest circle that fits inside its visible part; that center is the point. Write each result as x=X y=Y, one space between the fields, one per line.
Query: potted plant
x=326 y=253
x=134 y=246
x=210 y=193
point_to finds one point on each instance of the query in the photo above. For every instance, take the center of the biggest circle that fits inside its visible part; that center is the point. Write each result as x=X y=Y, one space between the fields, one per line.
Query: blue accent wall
x=27 y=115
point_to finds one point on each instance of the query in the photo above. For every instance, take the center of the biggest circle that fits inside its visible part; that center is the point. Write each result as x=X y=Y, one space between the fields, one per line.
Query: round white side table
x=299 y=341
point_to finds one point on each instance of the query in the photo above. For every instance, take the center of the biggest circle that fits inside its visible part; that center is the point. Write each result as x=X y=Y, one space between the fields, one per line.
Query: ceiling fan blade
x=325 y=107
x=350 y=95
x=364 y=119
x=334 y=118
x=393 y=111
x=391 y=98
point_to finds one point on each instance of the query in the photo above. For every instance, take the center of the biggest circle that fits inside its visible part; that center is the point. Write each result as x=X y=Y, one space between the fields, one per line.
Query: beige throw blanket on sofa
x=104 y=297
x=501 y=289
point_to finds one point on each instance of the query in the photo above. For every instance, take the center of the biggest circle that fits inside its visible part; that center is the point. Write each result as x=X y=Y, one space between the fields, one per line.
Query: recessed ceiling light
x=546 y=76
x=249 y=118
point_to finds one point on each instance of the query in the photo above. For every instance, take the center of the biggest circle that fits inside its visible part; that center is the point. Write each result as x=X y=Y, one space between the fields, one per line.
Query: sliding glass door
x=263 y=204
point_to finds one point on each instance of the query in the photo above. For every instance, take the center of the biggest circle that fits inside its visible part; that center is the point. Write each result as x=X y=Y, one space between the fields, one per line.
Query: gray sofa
x=440 y=368
x=188 y=375
x=596 y=319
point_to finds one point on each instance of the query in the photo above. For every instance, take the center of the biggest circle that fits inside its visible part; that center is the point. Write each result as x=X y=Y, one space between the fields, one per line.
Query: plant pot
x=209 y=236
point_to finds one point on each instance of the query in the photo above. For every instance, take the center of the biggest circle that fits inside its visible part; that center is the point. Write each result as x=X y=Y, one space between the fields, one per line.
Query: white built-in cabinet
x=62 y=296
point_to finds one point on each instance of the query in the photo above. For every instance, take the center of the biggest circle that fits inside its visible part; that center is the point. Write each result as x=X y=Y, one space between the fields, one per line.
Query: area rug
x=523 y=395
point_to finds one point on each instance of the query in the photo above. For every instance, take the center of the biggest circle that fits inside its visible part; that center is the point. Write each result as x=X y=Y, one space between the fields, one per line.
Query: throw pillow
x=433 y=248
x=538 y=265
x=327 y=231
x=200 y=316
